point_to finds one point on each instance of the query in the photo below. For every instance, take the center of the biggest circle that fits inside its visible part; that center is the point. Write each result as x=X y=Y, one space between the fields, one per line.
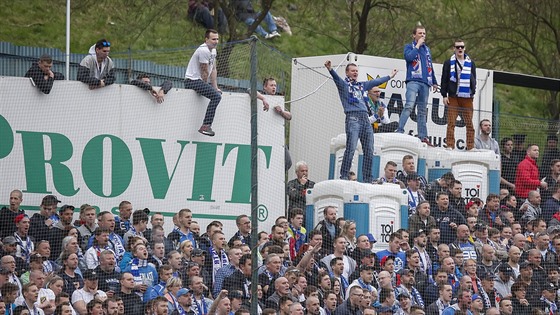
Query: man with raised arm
x=354 y=99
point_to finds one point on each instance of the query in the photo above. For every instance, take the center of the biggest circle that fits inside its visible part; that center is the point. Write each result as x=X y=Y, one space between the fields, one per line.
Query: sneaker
x=206 y=130
x=275 y=34
x=427 y=141
x=268 y=36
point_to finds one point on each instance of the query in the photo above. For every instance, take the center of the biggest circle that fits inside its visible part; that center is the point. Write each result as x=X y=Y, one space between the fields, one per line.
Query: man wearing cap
x=548 y=299
x=527 y=176
x=24 y=242
x=439 y=185
x=81 y=297
x=477 y=305
x=415 y=195
x=409 y=167
x=534 y=288
x=406 y=286
x=404 y=303
x=365 y=281
x=41 y=223
x=420 y=242
x=184 y=302
x=8 y=214
x=362 y=257
x=464 y=300
x=504 y=281
x=485 y=288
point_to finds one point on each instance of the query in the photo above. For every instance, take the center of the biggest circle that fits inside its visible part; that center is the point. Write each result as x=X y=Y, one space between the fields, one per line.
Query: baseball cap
x=412 y=176
x=198 y=252
x=405 y=271
x=371 y=238
x=418 y=233
x=506 y=269
x=182 y=291
x=549 y=287
x=525 y=265
x=63 y=208
x=403 y=294
x=384 y=259
x=361 y=253
x=9 y=240
x=475 y=297
x=50 y=200
x=385 y=309
x=487 y=275
x=90 y=274
x=20 y=217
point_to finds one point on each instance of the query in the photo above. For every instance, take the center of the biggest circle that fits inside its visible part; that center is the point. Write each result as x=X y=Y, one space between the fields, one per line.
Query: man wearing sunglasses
x=458 y=85
x=97 y=69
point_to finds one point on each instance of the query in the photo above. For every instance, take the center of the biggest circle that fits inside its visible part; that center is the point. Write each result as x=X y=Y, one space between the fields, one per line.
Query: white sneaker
x=268 y=36
x=275 y=34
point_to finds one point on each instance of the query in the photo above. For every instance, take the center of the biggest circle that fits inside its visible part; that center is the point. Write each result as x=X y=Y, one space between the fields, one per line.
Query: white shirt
x=201 y=55
x=83 y=295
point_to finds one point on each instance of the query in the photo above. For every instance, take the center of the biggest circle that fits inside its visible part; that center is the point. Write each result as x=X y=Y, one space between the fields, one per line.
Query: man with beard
x=483 y=141
x=509 y=165
x=514 y=256
x=329 y=229
x=434 y=235
x=433 y=289
x=407 y=287
x=456 y=200
x=464 y=301
x=533 y=291
x=421 y=219
x=439 y=185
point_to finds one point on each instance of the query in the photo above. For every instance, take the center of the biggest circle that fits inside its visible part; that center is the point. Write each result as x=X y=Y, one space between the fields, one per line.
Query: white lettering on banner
x=117 y=143
x=308 y=73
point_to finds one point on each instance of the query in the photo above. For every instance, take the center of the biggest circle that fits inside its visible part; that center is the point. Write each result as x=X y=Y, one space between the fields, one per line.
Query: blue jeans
x=203 y=16
x=416 y=93
x=358 y=127
x=269 y=22
x=209 y=92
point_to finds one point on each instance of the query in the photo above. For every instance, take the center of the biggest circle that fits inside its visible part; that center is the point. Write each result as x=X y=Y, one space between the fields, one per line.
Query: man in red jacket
x=527 y=175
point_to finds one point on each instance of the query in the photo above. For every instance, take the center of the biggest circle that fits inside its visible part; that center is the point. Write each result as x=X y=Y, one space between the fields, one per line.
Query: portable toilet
x=377 y=209
x=338 y=147
x=477 y=170
x=393 y=147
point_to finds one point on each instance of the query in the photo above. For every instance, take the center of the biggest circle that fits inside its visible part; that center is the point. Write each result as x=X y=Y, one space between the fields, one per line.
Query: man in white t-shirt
x=201 y=76
x=81 y=297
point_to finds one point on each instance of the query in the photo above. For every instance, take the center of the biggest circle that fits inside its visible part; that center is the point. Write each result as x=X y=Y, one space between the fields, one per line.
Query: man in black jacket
x=458 y=85
x=240 y=279
x=41 y=74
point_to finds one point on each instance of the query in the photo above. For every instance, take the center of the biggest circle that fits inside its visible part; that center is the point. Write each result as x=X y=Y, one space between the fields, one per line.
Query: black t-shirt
x=132 y=303
x=108 y=281
x=71 y=283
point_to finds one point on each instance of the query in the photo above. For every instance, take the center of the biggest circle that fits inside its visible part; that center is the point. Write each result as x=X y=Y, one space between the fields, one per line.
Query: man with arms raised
x=353 y=96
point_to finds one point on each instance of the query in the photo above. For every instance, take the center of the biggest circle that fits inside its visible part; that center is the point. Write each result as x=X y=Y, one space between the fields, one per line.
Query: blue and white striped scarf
x=464 y=86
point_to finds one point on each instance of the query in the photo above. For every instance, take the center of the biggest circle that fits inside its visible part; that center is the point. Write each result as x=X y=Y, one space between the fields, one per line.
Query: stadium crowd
x=492 y=255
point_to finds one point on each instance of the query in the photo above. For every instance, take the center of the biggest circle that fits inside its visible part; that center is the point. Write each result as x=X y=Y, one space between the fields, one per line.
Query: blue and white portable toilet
x=477 y=170
x=338 y=147
x=393 y=147
x=377 y=209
